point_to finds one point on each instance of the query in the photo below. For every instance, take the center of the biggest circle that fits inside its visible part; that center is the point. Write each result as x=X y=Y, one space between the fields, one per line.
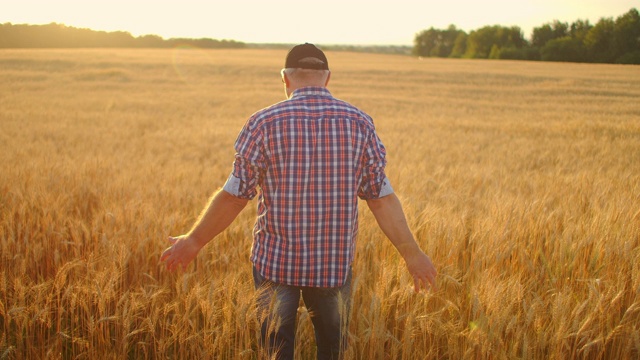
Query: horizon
x=356 y=23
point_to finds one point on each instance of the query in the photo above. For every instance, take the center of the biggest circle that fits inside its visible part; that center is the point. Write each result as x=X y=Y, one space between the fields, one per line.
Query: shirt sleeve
x=374 y=183
x=249 y=164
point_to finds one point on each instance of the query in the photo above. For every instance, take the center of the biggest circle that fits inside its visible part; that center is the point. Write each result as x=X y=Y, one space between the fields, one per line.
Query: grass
x=521 y=180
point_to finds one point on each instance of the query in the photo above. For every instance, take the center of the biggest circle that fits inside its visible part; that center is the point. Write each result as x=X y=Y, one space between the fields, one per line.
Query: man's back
x=312 y=155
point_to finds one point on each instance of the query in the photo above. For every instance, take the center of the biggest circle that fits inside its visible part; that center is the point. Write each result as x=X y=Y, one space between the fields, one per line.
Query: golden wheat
x=520 y=179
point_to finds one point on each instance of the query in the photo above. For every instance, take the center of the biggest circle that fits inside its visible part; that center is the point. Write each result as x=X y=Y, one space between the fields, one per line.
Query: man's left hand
x=182 y=251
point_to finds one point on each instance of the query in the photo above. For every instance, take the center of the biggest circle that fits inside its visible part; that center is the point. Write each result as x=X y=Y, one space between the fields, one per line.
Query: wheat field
x=520 y=179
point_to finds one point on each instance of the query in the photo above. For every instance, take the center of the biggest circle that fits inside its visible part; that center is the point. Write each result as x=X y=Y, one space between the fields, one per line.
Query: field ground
x=520 y=179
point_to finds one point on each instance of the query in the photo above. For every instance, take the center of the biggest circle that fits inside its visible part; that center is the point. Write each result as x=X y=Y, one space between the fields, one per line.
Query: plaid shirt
x=312 y=156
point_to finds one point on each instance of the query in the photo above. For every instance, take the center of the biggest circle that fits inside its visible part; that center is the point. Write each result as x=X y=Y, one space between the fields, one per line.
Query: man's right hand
x=422 y=270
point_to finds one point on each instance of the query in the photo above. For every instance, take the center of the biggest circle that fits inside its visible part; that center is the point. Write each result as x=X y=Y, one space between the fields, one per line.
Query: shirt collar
x=310 y=91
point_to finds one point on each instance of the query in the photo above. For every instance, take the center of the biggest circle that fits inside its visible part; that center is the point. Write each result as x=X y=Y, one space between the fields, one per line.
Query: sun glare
x=355 y=22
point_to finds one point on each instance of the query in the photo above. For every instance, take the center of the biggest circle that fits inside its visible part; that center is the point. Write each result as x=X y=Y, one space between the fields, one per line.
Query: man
x=311 y=156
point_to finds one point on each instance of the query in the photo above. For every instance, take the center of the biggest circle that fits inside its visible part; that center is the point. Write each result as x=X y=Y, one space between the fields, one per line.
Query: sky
x=356 y=22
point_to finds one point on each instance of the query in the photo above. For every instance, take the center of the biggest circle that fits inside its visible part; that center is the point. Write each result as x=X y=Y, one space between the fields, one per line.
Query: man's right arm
x=391 y=219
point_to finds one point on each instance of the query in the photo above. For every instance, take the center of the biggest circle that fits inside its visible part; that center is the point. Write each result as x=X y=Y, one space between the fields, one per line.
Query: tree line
x=60 y=36
x=608 y=41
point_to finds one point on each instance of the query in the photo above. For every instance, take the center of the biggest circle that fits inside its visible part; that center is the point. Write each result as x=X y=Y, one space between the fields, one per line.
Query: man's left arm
x=215 y=218
x=226 y=204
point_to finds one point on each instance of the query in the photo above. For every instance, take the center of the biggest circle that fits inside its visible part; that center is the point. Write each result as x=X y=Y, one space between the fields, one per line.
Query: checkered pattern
x=311 y=156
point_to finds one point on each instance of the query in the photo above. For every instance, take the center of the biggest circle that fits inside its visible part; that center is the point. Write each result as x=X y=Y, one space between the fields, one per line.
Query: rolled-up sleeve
x=374 y=183
x=249 y=163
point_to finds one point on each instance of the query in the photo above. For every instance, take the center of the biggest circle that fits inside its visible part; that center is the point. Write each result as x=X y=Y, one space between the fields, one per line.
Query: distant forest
x=608 y=41
x=60 y=36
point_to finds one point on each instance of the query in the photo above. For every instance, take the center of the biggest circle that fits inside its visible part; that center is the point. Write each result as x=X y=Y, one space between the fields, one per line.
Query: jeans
x=277 y=309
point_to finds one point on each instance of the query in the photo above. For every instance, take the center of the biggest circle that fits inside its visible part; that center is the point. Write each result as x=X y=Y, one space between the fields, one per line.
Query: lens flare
x=189 y=62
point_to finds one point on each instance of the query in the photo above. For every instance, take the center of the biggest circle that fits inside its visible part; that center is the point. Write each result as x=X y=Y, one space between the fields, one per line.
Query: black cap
x=304 y=51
